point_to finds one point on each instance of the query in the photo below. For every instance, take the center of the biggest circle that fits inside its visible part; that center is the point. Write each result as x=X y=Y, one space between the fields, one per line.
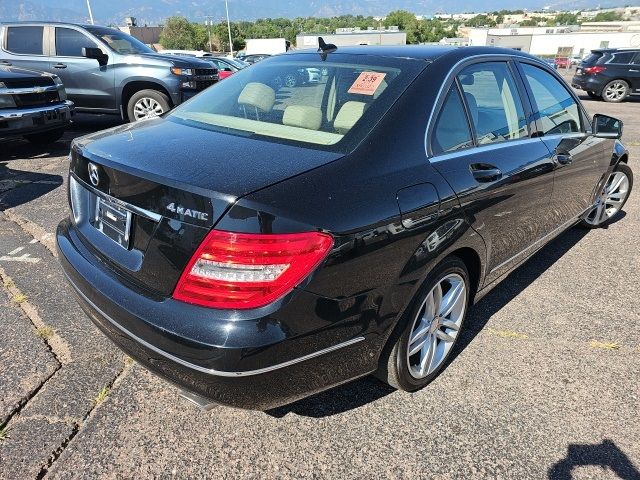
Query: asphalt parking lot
x=544 y=383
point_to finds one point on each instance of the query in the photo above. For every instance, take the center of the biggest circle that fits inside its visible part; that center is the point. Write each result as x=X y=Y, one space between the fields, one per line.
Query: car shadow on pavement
x=605 y=455
x=18 y=186
x=369 y=389
x=23 y=150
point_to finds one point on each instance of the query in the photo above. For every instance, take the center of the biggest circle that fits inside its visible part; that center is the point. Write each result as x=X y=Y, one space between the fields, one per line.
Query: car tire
x=615 y=91
x=412 y=372
x=594 y=95
x=42 y=138
x=147 y=104
x=615 y=193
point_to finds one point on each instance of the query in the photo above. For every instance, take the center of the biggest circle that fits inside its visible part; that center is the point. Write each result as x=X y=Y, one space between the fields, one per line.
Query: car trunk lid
x=144 y=199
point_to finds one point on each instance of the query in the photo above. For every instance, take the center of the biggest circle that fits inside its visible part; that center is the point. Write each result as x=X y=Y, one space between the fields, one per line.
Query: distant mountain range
x=153 y=12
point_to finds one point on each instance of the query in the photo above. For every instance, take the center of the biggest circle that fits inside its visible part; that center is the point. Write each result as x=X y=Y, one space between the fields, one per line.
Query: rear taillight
x=592 y=70
x=243 y=270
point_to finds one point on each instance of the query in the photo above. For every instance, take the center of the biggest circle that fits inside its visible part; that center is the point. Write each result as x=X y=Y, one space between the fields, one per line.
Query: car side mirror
x=604 y=126
x=96 y=54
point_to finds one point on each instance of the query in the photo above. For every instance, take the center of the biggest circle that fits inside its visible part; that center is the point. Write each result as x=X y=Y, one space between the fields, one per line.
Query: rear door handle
x=632 y=70
x=483 y=172
x=4 y=62
x=59 y=65
x=563 y=158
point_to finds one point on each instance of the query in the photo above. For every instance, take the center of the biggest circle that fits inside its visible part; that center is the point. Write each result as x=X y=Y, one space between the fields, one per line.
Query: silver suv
x=103 y=69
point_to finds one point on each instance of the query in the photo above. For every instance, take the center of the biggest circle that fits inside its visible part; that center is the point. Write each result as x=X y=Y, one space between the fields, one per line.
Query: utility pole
x=226 y=7
x=208 y=22
x=90 y=13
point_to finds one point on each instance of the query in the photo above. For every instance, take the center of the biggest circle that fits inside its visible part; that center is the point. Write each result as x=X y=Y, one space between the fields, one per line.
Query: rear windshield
x=592 y=58
x=301 y=99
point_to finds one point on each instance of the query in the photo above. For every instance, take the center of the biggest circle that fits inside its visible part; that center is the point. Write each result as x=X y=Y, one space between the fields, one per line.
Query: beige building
x=352 y=37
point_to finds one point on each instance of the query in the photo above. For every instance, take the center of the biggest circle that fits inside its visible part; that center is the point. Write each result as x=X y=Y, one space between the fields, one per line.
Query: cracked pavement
x=544 y=382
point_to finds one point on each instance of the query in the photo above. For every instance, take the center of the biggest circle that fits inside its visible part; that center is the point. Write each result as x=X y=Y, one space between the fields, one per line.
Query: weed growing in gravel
x=4 y=433
x=45 y=332
x=19 y=298
x=605 y=345
x=102 y=396
x=9 y=284
x=508 y=334
x=128 y=360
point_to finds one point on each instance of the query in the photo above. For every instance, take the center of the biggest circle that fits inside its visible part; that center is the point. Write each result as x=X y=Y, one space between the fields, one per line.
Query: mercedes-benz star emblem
x=94 y=174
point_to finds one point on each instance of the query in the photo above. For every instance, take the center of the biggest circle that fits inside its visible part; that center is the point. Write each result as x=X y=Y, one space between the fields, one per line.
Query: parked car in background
x=33 y=105
x=352 y=228
x=611 y=74
x=562 y=62
x=550 y=61
x=251 y=59
x=105 y=70
x=226 y=66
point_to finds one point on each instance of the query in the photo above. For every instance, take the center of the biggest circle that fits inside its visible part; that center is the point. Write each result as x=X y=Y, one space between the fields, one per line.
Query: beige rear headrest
x=348 y=115
x=258 y=95
x=302 y=116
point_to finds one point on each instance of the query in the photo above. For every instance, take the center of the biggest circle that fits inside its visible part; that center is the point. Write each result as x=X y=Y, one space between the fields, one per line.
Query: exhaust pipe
x=202 y=403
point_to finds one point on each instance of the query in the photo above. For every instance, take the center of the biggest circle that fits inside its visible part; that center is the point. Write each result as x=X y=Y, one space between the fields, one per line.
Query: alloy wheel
x=290 y=80
x=436 y=326
x=147 y=107
x=610 y=199
x=615 y=91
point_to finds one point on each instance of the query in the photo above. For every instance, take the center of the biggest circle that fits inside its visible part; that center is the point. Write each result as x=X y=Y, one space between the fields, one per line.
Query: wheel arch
x=131 y=87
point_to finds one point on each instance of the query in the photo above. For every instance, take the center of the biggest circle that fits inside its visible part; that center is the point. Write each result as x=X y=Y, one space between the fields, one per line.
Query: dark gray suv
x=103 y=69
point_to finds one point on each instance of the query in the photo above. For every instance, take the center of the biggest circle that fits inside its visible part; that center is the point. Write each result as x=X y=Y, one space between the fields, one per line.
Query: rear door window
x=25 y=40
x=451 y=131
x=557 y=110
x=621 y=57
x=69 y=42
x=494 y=104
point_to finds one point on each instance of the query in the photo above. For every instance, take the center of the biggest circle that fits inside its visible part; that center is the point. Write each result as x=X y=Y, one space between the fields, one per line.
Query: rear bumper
x=37 y=119
x=588 y=83
x=255 y=363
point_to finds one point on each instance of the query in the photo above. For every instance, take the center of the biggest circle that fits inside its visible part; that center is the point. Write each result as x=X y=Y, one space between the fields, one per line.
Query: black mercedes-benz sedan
x=259 y=244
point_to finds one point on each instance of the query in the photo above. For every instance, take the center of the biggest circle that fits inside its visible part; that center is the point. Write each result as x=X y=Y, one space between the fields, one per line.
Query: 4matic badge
x=187 y=212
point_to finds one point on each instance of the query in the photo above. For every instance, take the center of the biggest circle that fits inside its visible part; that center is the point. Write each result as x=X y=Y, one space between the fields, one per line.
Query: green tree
x=403 y=19
x=566 y=19
x=607 y=17
x=178 y=33
x=480 y=21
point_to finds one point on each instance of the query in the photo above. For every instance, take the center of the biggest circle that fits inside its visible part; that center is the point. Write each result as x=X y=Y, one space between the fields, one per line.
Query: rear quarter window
x=25 y=40
x=592 y=58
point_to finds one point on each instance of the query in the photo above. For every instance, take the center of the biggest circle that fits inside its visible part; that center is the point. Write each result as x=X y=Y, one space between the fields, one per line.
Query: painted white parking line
x=26 y=258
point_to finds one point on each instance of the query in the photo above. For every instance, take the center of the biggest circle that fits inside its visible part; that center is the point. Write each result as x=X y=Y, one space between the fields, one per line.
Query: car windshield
x=119 y=41
x=301 y=99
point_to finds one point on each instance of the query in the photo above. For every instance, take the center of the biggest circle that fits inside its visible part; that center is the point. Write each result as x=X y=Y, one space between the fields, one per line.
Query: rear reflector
x=243 y=270
x=592 y=70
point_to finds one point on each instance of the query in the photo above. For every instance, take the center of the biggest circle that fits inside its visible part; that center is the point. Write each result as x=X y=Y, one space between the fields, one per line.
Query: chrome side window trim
x=482 y=148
